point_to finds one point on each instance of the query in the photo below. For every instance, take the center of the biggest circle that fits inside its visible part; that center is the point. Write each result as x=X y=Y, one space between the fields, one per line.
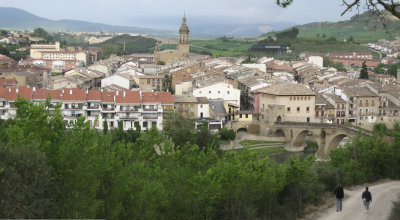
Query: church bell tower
x=183 y=45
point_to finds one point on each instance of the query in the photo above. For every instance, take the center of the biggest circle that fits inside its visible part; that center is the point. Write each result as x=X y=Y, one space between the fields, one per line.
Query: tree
x=27 y=189
x=371 y=5
x=108 y=49
x=364 y=71
x=40 y=32
x=167 y=84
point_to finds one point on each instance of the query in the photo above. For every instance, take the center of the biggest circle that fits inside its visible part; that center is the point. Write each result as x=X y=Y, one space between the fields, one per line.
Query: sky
x=167 y=14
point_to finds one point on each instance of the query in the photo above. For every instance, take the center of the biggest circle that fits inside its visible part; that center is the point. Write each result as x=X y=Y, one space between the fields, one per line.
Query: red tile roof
x=130 y=97
x=55 y=94
x=3 y=93
x=40 y=94
x=157 y=97
x=23 y=91
x=149 y=97
x=107 y=97
x=165 y=97
x=74 y=94
x=93 y=95
x=8 y=82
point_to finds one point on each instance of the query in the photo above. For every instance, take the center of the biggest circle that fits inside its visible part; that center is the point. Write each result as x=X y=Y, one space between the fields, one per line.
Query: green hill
x=362 y=28
x=133 y=44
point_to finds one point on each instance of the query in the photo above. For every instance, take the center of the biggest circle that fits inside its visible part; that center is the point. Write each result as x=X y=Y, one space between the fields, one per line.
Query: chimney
x=70 y=91
x=63 y=91
x=124 y=93
x=117 y=92
x=34 y=89
x=87 y=91
x=16 y=90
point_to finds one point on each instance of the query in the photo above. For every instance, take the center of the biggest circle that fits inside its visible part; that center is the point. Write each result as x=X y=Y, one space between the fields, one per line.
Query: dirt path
x=382 y=197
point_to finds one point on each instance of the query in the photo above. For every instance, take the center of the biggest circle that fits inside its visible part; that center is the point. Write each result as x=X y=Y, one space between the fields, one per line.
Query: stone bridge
x=328 y=136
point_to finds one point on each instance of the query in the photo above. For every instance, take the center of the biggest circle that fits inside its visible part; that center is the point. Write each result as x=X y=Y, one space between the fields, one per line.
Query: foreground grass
x=250 y=143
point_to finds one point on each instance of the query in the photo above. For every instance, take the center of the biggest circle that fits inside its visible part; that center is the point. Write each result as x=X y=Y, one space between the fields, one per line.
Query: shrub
x=227 y=134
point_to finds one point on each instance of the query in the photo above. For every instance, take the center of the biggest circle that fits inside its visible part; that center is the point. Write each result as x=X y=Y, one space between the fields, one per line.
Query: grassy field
x=241 y=47
x=256 y=143
x=359 y=33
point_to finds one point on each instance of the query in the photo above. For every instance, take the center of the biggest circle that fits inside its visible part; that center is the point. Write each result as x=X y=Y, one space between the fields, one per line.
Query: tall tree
x=364 y=71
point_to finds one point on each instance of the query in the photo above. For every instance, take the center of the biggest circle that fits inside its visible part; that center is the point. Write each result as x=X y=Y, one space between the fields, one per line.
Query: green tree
x=364 y=71
x=227 y=134
x=108 y=49
x=40 y=32
x=26 y=188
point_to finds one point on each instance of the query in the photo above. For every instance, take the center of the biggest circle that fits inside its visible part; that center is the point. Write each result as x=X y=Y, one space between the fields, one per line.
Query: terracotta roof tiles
x=128 y=96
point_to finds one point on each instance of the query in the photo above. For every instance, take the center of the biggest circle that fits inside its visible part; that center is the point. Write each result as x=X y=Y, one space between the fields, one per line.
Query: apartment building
x=126 y=107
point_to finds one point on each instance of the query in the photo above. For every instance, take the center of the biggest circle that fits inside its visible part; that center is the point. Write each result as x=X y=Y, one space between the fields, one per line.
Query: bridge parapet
x=347 y=128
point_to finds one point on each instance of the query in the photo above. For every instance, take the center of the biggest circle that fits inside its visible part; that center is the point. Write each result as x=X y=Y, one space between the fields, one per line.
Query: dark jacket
x=367 y=195
x=339 y=192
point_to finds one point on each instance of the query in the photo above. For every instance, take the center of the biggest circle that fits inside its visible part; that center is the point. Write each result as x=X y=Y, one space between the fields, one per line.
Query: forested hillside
x=133 y=44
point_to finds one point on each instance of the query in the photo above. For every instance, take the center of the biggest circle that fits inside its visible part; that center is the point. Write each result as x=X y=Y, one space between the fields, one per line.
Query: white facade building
x=220 y=90
x=120 y=80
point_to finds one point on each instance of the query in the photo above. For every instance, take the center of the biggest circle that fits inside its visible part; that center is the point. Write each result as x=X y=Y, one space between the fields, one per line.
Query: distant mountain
x=362 y=28
x=248 y=30
x=13 y=18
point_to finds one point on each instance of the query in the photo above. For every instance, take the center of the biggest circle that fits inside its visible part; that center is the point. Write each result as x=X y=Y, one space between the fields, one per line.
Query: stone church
x=182 y=50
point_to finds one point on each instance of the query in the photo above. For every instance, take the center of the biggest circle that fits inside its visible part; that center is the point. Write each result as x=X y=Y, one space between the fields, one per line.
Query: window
x=338 y=106
x=309 y=98
x=316 y=113
x=247 y=115
x=227 y=92
x=298 y=98
x=148 y=81
x=298 y=109
x=342 y=106
x=288 y=109
x=308 y=109
x=290 y=98
x=209 y=92
x=201 y=106
x=145 y=124
x=360 y=111
x=199 y=92
x=158 y=81
x=240 y=116
x=191 y=105
x=366 y=111
x=322 y=113
x=191 y=113
x=302 y=98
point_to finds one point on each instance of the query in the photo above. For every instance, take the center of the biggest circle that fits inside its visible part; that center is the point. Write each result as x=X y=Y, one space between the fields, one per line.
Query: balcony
x=125 y=109
x=183 y=109
x=108 y=109
x=96 y=107
x=150 y=109
x=125 y=117
x=147 y=116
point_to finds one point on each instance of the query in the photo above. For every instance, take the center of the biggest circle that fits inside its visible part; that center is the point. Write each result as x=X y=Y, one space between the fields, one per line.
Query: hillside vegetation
x=363 y=28
x=134 y=44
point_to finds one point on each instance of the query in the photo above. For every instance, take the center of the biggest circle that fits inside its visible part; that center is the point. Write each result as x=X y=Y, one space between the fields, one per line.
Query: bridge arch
x=334 y=141
x=279 y=133
x=300 y=138
x=241 y=130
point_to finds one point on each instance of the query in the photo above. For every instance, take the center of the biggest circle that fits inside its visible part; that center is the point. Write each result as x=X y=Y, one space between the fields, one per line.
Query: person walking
x=339 y=196
x=367 y=199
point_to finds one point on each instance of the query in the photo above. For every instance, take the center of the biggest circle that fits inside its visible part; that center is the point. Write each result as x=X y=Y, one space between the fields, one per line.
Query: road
x=382 y=197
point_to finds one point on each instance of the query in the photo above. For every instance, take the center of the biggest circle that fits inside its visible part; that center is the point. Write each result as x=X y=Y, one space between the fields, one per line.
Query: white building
x=219 y=90
x=120 y=80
